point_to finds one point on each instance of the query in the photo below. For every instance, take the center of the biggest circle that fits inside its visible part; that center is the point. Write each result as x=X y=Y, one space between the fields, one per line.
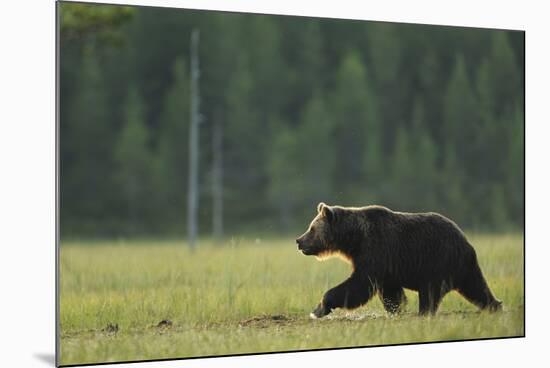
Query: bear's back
x=406 y=245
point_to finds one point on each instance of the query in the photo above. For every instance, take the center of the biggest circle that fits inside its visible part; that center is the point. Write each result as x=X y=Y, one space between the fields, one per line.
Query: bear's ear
x=328 y=213
x=320 y=206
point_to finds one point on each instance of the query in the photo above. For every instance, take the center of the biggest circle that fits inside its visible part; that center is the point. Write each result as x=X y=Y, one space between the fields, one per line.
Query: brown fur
x=389 y=251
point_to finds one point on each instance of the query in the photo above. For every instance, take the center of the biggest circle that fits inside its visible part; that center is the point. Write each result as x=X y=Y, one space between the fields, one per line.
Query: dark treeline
x=418 y=118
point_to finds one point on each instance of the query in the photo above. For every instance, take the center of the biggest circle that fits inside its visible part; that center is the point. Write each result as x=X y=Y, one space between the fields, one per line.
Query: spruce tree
x=424 y=154
x=133 y=160
x=245 y=158
x=357 y=133
x=402 y=173
x=460 y=111
x=317 y=165
x=172 y=147
x=515 y=157
x=87 y=139
x=504 y=74
x=285 y=184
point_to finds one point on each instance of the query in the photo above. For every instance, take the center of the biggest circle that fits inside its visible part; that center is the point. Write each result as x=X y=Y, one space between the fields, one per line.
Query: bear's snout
x=304 y=246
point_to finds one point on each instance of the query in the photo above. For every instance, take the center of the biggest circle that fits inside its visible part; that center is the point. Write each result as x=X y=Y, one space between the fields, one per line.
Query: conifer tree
x=133 y=160
x=245 y=154
x=515 y=180
x=460 y=111
x=357 y=132
x=88 y=140
x=172 y=147
x=504 y=75
x=402 y=172
x=317 y=126
x=285 y=181
x=424 y=154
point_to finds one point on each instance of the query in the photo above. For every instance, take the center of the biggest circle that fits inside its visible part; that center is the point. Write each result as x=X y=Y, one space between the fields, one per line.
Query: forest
x=414 y=117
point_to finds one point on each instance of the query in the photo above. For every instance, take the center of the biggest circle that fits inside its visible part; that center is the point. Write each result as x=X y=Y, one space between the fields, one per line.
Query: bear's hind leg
x=392 y=298
x=430 y=298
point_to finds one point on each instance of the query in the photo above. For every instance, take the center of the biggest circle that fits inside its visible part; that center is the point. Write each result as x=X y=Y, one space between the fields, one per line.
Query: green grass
x=250 y=296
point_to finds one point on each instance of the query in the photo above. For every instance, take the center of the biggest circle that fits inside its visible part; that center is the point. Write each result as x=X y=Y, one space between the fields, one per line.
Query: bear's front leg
x=319 y=311
x=350 y=294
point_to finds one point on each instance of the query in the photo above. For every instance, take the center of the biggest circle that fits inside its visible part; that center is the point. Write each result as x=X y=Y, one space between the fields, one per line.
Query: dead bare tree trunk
x=193 y=192
x=217 y=179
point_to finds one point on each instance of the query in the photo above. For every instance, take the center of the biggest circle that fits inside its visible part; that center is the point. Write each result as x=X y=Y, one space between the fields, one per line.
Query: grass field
x=152 y=300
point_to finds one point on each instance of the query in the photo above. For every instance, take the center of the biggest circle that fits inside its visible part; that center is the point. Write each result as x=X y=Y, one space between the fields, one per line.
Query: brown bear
x=390 y=251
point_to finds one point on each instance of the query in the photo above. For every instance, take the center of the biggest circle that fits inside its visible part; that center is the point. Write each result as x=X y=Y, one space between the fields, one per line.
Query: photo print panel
x=208 y=160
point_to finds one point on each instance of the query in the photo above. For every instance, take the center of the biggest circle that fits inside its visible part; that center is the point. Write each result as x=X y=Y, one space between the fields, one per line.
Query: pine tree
x=460 y=111
x=133 y=160
x=496 y=83
x=514 y=158
x=245 y=158
x=87 y=139
x=301 y=176
x=424 y=155
x=265 y=66
x=454 y=204
x=402 y=173
x=285 y=185
x=504 y=75
x=306 y=70
x=504 y=80
x=172 y=147
x=460 y=123
x=426 y=172
x=499 y=219
x=412 y=180
x=317 y=165
x=385 y=51
x=489 y=138
x=386 y=54
x=357 y=132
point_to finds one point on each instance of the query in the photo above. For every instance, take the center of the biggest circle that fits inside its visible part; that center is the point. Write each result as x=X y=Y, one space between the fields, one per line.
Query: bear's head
x=319 y=238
